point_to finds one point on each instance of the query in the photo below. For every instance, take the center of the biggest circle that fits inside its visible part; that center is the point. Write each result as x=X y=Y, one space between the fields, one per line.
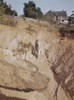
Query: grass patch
x=8 y=21
x=31 y=30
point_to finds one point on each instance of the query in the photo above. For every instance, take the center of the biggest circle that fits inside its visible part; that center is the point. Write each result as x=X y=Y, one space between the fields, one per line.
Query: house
x=50 y=15
x=56 y=16
x=60 y=16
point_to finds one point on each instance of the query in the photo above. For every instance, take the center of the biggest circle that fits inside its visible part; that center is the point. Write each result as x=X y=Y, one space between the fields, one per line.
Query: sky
x=45 y=5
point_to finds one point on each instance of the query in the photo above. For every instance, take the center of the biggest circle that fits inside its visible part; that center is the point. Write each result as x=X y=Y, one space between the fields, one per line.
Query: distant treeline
x=7 y=9
x=30 y=10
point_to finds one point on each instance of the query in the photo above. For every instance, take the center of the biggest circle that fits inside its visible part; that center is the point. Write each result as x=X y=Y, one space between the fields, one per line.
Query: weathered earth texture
x=50 y=77
x=62 y=60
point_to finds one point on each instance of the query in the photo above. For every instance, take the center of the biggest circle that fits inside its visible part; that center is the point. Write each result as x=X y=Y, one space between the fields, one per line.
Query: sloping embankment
x=61 y=56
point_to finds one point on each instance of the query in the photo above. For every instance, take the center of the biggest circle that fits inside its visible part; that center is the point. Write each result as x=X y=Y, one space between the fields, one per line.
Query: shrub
x=30 y=10
x=9 y=21
x=31 y=30
x=25 y=47
x=68 y=32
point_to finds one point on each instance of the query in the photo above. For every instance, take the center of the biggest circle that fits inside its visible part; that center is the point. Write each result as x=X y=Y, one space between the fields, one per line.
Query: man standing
x=36 y=48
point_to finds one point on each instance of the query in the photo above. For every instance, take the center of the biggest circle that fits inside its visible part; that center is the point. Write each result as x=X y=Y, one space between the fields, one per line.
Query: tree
x=9 y=10
x=69 y=20
x=72 y=12
x=6 y=9
x=31 y=11
x=39 y=13
x=2 y=10
x=72 y=17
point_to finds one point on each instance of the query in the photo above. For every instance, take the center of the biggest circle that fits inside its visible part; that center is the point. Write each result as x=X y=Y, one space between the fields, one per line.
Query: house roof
x=57 y=13
x=49 y=12
x=60 y=13
x=50 y=15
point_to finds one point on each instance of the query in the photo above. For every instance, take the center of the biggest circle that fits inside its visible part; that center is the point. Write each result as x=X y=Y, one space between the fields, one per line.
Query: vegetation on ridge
x=30 y=10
